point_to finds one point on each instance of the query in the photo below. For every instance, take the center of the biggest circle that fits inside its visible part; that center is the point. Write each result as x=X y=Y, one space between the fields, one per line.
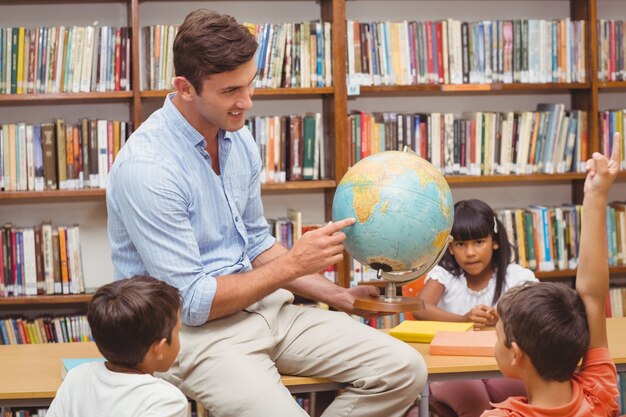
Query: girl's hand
x=481 y=316
x=493 y=313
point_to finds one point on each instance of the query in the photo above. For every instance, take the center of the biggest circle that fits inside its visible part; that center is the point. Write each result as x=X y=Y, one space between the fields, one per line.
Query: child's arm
x=432 y=292
x=592 y=278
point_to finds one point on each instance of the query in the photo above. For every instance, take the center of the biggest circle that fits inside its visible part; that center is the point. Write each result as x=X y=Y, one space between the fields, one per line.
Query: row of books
x=305 y=402
x=62 y=329
x=616 y=302
x=91 y=58
x=611 y=50
x=59 y=155
x=611 y=122
x=384 y=322
x=41 y=260
x=361 y=273
x=547 y=238
x=64 y=59
x=293 y=148
x=293 y=54
x=158 y=70
x=549 y=140
x=458 y=52
x=289 y=55
x=23 y=412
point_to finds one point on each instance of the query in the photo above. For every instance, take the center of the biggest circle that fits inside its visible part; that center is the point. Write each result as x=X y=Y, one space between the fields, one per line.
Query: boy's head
x=127 y=317
x=547 y=321
x=210 y=43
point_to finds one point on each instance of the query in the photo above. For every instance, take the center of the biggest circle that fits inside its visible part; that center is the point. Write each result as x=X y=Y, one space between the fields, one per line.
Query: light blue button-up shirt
x=171 y=216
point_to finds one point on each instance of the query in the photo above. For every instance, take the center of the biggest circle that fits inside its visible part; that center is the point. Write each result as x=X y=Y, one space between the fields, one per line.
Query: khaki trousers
x=233 y=365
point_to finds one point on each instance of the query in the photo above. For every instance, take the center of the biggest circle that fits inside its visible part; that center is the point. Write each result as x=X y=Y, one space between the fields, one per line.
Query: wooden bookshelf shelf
x=21 y=2
x=571 y=273
x=99 y=193
x=60 y=195
x=299 y=185
x=541 y=275
x=46 y=300
x=470 y=179
x=259 y=92
x=20 y=98
x=473 y=88
x=612 y=85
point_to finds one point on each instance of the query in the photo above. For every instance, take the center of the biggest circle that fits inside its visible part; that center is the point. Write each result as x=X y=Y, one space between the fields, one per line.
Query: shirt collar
x=187 y=130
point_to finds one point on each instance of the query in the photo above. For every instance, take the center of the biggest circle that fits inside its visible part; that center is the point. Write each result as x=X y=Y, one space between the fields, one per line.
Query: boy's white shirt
x=92 y=390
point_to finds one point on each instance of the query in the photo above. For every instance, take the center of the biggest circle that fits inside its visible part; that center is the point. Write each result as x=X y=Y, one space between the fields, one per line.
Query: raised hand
x=601 y=172
x=317 y=249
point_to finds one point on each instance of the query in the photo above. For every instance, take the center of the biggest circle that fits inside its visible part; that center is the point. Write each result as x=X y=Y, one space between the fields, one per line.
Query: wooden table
x=31 y=374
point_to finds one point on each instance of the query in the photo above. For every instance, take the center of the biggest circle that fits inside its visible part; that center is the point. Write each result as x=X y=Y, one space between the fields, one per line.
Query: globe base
x=398 y=305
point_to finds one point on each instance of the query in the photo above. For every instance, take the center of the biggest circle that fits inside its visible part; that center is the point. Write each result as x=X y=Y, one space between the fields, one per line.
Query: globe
x=403 y=209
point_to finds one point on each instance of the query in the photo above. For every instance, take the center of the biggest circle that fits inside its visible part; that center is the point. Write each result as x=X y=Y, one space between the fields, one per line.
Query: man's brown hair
x=548 y=322
x=127 y=316
x=210 y=43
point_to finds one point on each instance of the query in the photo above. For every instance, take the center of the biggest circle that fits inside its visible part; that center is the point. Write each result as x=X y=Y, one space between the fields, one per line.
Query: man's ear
x=183 y=87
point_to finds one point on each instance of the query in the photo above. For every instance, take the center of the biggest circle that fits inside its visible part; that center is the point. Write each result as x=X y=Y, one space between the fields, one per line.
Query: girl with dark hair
x=465 y=287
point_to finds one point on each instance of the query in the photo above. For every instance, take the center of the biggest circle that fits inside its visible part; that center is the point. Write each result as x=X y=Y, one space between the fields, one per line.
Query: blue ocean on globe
x=403 y=209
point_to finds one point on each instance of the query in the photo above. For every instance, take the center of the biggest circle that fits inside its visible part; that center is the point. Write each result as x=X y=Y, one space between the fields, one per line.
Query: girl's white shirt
x=458 y=298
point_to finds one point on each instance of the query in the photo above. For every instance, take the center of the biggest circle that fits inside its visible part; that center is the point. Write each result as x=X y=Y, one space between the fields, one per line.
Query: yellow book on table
x=422 y=331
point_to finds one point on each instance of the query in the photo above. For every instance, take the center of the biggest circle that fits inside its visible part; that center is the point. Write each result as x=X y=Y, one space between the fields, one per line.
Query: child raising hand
x=546 y=328
x=465 y=287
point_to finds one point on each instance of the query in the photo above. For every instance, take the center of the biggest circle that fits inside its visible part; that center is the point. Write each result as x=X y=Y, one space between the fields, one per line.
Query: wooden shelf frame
x=87 y=194
x=45 y=300
x=473 y=89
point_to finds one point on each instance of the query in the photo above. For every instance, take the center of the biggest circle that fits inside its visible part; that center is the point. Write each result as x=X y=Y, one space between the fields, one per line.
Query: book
x=422 y=331
x=470 y=343
x=71 y=363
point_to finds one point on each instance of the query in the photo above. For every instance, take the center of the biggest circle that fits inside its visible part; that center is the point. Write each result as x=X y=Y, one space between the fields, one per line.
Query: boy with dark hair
x=184 y=204
x=545 y=328
x=135 y=324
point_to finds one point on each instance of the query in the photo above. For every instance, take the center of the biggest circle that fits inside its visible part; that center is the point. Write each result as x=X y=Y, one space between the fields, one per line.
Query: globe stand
x=390 y=302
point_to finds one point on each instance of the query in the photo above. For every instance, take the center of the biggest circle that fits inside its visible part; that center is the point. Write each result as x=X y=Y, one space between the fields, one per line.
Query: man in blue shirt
x=184 y=205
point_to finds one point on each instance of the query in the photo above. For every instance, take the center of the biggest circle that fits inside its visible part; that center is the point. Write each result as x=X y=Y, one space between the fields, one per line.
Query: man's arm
x=278 y=267
x=157 y=220
x=316 y=287
x=592 y=277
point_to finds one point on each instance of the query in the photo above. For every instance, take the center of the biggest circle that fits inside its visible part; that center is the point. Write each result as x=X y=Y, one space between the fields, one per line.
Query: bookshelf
x=314 y=197
x=502 y=190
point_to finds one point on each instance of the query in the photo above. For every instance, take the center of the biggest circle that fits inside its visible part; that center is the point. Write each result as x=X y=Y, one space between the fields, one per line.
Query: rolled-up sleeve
x=153 y=209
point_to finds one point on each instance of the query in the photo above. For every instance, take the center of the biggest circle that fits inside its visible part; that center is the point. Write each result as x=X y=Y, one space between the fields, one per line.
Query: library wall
x=92 y=215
